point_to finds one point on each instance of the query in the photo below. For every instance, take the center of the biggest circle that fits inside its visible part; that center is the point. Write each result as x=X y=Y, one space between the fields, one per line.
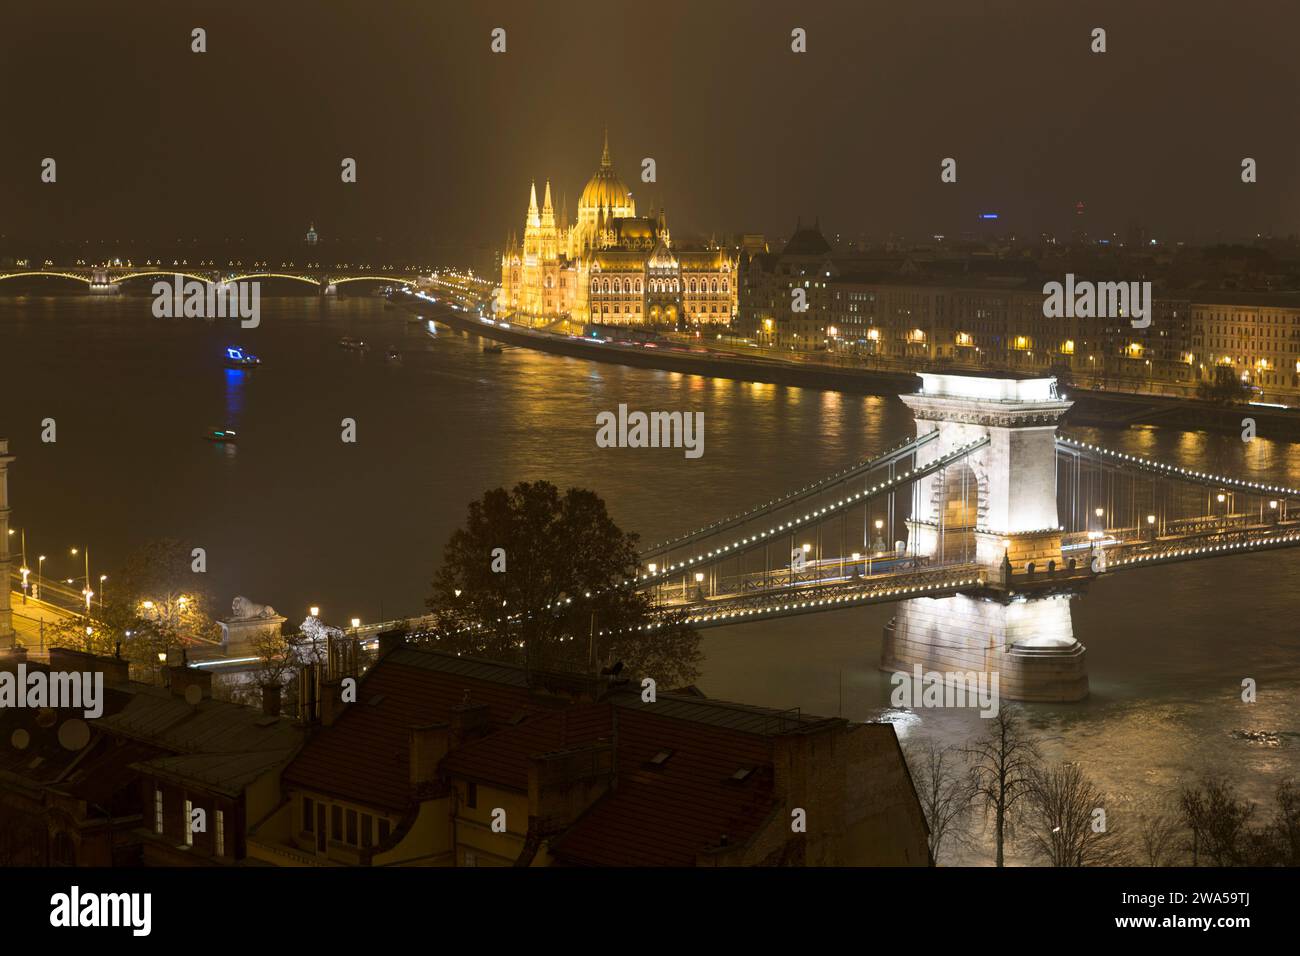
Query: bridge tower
x=6 y=614
x=998 y=508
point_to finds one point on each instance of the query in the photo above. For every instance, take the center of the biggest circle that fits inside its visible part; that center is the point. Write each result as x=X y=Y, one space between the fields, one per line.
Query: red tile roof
x=665 y=815
x=365 y=755
x=505 y=757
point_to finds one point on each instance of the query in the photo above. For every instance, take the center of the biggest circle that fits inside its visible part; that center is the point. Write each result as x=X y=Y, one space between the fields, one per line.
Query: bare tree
x=944 y=787
x=1157 y=839
x=1003 y=760
x=1219 y=822
x=1066 y=820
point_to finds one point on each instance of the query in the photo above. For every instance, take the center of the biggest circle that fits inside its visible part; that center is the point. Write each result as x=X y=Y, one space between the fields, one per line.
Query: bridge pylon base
x=1028 y=643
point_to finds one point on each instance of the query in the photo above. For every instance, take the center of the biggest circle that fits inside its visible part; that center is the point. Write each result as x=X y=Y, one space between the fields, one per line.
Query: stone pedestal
x=248 y=626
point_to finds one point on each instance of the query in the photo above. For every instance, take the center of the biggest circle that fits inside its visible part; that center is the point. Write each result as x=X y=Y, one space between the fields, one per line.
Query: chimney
x=331 y=700
x=428 y=746
x=469 y=720
x=183 y=677
x=308 y=694
x=271 y=700
x=390 y=640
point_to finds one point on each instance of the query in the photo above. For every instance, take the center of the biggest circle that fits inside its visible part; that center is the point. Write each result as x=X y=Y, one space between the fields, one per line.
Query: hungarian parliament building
x=612 y=266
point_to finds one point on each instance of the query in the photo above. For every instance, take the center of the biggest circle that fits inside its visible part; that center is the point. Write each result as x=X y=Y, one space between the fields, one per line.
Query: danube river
x=292 y=516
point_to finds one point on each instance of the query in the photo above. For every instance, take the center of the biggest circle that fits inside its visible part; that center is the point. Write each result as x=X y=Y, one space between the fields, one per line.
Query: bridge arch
x=161 y=273
x=276 y=275
x=55 y=275
x=410 y=282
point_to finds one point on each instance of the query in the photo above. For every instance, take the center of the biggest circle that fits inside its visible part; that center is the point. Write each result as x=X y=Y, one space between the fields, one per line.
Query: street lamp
x=102 y=588
x=40 y=564
x=315 y=611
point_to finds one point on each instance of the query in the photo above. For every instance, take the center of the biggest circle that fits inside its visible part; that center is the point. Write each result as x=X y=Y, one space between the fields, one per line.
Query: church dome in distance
x=807 y=241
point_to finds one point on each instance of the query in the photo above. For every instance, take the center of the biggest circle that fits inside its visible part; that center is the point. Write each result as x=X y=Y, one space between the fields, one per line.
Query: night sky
x=245 y=141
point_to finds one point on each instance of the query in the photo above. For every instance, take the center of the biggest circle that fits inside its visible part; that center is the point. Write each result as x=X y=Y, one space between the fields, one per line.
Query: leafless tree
x=1003 y=759
x=1157 y=839
x=944 y=787
x=1219 y=822
x=1066 y=820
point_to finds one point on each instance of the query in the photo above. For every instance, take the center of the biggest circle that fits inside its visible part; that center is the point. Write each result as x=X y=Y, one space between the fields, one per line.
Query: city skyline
x=694 y=435
x=737 y=125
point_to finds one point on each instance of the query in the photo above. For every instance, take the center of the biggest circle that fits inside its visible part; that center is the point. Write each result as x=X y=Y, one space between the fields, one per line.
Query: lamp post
x=87 y=592
x=24 y=570
x=40 y=564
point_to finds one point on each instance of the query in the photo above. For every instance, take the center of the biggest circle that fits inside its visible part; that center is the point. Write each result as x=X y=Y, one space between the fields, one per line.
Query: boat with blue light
x=238 y=358
x=221 y=435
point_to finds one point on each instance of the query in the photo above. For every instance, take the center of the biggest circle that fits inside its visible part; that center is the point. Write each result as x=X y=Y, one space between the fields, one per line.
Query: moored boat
x=238 y=358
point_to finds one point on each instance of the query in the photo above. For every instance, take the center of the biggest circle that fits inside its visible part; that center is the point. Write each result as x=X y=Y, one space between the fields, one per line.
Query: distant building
x=909 y=311
x=612 y=266
x=311 y=238
x=448 y=761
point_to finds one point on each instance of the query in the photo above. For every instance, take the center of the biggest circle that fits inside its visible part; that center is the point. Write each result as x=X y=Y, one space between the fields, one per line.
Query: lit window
x=221 y=833
x=157 y=811
x=189 y=829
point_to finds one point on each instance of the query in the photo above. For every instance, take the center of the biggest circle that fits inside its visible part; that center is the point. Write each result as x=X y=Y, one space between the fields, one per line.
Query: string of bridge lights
x=856 y=596
x=868 y=493
x=868 y=465
x=1175 y=471
x=1173 y=554
x=744 y=544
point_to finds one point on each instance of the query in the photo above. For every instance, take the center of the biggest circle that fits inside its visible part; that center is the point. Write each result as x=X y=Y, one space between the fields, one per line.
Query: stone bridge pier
x=998 y=508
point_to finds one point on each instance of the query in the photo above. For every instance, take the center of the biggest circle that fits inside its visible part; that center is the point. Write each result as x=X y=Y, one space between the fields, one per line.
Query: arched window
x=595 y=285
x=606 y=285
x=724 y=284
x=638 y=285
x=692 y=285
x=715 y=285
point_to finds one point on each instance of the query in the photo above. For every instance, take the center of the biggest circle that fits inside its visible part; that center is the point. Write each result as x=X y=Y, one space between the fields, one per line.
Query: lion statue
x=243 y=609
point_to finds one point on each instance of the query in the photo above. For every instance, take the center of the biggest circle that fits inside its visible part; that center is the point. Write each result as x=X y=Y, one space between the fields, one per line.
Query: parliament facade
x=612 y=266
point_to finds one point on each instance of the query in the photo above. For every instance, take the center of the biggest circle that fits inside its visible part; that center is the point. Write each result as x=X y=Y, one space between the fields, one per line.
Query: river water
x=292 y=516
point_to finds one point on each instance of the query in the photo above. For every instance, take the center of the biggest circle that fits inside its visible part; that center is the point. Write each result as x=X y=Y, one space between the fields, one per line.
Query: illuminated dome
x=605 y=191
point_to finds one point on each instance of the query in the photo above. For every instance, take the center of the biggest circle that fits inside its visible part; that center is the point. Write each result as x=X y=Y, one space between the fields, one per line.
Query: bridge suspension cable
x=896 y=453
x=760 y=539
x=1125 y=460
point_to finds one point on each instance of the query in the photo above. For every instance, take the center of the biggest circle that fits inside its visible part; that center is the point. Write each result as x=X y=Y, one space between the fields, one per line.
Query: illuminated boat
x=238 y=358
x=221 y=435
x=348 y=342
